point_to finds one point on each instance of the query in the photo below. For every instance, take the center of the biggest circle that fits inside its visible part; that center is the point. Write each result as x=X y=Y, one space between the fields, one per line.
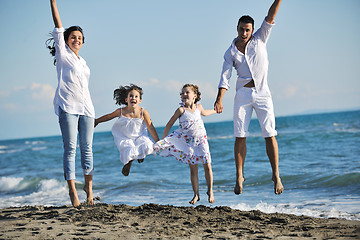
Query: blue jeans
x=70 y=125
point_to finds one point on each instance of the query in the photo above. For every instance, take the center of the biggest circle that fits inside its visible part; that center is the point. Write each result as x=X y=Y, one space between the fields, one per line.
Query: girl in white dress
x=130 y=130
x=188 y=144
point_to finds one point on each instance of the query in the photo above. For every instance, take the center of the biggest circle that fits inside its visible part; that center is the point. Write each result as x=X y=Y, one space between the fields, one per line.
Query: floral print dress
x=188 y=144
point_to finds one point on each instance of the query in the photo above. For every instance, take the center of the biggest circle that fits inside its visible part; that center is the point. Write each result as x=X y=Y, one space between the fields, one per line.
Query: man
x=248 y=55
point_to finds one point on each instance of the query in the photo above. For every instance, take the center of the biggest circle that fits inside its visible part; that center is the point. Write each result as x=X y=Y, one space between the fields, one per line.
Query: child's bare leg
x=126 y=168
x=194 y=182
x=209 y=181
x=73 y=193
x=88 y=189
x=240 y=153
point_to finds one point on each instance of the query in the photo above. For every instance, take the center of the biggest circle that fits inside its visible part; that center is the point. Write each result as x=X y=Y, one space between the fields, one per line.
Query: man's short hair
x=246 y=19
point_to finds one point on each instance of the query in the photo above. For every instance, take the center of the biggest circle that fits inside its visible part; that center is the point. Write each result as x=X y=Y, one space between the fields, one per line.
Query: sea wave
x=347 y=130
x=34 y=142
x=47 y=192
x=349 y=179
x=295 y=209
x=38 y=148
x=11 y=151
x=29 y=145
x=9 y=184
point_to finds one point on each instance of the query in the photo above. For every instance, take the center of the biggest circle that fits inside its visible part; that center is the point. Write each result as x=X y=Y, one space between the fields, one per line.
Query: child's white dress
x=131 y=138
x=188 y=144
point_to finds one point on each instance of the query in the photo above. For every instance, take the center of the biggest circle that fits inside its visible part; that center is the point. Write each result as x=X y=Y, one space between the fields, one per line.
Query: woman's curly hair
x=121 y=93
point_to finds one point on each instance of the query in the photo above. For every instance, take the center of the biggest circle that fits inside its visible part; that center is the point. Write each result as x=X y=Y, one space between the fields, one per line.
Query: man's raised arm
x=273 y=11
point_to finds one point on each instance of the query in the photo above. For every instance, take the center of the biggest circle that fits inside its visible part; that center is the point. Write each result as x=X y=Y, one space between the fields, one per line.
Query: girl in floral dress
x=188 y=144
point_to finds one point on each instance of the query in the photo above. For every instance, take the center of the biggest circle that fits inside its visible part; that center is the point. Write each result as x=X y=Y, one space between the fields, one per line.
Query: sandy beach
x=152 y=221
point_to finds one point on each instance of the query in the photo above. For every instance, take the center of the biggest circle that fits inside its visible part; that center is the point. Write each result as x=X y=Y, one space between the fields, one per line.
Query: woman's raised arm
x=55 y=14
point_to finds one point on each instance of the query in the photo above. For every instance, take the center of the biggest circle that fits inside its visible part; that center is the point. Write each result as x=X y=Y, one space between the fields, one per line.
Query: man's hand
x=218 y=105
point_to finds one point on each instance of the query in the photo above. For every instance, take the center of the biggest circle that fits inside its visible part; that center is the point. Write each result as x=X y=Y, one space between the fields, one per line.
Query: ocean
x=319 y=167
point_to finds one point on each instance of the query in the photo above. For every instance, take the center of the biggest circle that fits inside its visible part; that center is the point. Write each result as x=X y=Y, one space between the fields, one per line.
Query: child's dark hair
x=195 y=89
x=121 y=93
x=50 y=44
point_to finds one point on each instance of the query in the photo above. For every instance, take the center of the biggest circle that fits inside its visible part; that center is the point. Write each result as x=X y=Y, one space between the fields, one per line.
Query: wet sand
x=152 y=221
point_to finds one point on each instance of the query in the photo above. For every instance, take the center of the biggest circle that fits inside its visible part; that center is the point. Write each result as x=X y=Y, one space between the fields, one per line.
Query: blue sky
x=314 y=56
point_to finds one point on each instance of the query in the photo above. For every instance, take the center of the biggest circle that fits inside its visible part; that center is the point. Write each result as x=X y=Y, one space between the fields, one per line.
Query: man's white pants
x=247 y=99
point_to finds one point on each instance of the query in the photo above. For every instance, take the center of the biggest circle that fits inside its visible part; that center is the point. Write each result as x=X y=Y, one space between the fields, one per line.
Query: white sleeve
x=226 y=70
x=263 y=33
x=58 y=35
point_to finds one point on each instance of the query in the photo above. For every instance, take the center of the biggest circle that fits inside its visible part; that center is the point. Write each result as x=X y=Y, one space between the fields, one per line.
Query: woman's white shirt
x=72 y=94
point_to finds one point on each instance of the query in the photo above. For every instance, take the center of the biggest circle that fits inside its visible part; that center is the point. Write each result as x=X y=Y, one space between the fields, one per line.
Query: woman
x=72 y=103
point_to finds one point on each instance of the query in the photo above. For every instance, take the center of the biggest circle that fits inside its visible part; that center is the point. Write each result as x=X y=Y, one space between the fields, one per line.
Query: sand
x=152 y=221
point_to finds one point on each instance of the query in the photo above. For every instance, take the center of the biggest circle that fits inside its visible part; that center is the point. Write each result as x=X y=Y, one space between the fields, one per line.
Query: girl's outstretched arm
x=108 y=117
x=55 y=14
x=150 y=126
x=205 y=112
x=172 y=120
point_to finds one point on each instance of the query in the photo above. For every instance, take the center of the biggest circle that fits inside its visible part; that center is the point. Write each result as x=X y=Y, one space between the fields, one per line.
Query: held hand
x=218 y=106
x=96 y=123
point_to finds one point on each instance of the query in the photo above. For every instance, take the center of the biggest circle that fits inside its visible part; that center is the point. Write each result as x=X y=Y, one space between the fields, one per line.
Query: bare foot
x=89 y=195
x=278 y=187
x=140 y=160
x=195 y=199
x=74 y=199
x=211 y=197
x=239 y=186
x=126 y=168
